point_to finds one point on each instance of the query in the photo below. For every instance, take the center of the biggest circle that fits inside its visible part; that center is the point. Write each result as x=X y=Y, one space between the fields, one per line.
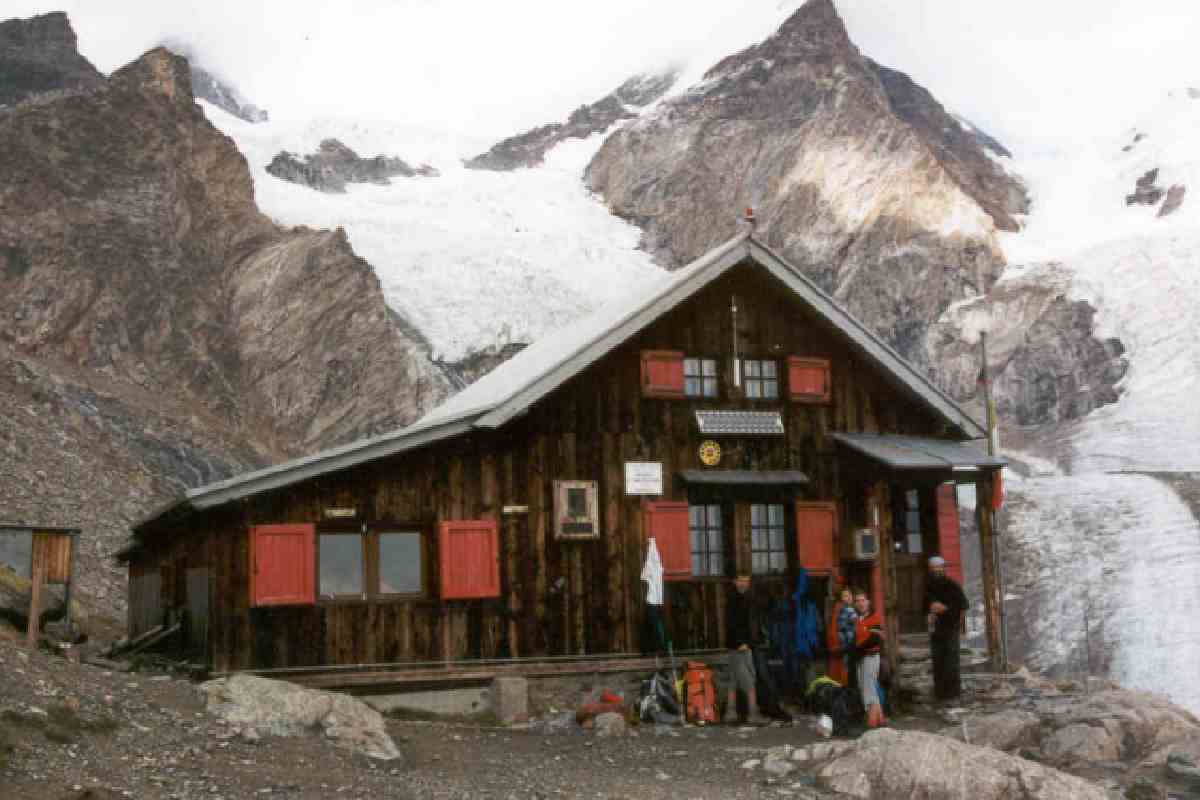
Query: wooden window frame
x=760 y=379
x=375 y=532
x=767 y=528
x=368 y=534
x=700 y=376
x=591 y=488
x=706 y=552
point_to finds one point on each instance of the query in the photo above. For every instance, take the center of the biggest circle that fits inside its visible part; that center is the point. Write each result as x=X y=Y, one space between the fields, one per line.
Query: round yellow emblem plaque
x=710 y=453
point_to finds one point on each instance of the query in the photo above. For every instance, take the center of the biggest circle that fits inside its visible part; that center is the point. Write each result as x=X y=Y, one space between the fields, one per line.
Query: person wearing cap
x=946 y=603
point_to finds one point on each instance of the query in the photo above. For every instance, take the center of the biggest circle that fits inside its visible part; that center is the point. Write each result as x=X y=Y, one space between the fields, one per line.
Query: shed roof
x=510 y=389
x=918 y=452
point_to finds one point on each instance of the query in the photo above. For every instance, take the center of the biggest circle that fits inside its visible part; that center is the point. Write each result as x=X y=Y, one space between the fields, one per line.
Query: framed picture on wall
x=576 y=510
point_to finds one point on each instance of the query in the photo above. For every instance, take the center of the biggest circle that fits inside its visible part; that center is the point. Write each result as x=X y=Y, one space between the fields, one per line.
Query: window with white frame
x=760 y=379
x=708 y=540
x=768 y=540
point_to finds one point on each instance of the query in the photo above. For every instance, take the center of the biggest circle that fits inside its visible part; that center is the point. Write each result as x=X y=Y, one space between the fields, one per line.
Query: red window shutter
x=949 y=546
x=281 y=569
x=816 y=533
x=469 y=551
x=997 y=490
x=662 y=373
x=667 y=523
x=808 y=380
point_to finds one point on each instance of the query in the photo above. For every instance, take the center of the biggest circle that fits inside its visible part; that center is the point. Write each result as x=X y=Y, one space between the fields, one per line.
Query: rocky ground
x=73 y=730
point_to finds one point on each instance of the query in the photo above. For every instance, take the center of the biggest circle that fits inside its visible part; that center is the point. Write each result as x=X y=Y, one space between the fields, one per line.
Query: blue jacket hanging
x=807 y=642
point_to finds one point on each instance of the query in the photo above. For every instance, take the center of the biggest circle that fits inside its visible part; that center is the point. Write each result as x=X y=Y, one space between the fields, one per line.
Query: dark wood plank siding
x=557 y=597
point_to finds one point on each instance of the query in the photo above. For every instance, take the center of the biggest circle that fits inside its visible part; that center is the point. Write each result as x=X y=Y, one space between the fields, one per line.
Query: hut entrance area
x=735 y=415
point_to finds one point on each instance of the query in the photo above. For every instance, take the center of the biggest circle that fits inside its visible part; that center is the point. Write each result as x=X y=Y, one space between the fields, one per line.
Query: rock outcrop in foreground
x=334 y=165
x=848 y=166
x=258 y=707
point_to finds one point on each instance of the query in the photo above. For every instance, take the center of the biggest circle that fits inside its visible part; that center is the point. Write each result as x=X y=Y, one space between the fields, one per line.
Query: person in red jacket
x=868 y=642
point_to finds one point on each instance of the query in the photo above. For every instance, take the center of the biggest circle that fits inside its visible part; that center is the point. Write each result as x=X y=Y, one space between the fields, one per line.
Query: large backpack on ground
x=842 y=705
x=700 y=693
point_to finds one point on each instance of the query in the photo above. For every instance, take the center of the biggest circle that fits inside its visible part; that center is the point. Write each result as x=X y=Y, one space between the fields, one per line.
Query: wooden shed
x=45 y=556
x=734 y=412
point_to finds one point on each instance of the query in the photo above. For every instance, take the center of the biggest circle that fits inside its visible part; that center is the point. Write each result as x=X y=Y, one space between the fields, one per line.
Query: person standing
x=739 y=628
x=946 y=603
x=868 y=644
x=840 y=636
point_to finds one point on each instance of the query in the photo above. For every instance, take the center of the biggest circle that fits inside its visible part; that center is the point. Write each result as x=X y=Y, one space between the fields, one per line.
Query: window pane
x=399 y=563
x=777 y=539
x=691 y=387
x=756 y=514
x=341 y=564
x=914 y=543
x=714 y=516
x=716 y=565
x=753 y=369
x=714 y=541
x=696 y=516
x=710 y=387
x=778 y=562
x=768 y=369
x=753 y=388
x=697 y=542
x=775 y=514
x=691 y=366
x=912 y=521
x=710 y=367
x=758 y=539
x=910 y=498
x=759 y=563
x=770 y=389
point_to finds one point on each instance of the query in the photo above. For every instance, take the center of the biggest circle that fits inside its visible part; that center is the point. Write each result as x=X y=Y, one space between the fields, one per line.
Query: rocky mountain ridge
x=207 y=86
x=529 y=149
x=40 y=55
x=133 y=257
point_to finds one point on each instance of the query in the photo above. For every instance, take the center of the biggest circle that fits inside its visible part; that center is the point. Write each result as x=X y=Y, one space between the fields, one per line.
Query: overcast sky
x=1036 y=73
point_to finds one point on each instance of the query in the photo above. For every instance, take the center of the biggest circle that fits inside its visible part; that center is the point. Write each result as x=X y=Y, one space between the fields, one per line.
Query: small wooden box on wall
x=576 y=510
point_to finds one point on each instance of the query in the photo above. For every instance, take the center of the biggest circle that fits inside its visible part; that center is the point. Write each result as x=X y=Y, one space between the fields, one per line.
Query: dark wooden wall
x=558 y=597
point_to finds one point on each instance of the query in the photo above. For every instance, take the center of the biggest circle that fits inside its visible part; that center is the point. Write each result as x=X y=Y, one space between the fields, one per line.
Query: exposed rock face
x=1174 y=200
x=529 y=149
x=39 y=55
x=1145 y=192
x=890 y=763
x=260 y=706
x=207 y=86
x=164 y=333
x=334 y=165
x=802 y=128
x=1046 y=363
x=959 y=147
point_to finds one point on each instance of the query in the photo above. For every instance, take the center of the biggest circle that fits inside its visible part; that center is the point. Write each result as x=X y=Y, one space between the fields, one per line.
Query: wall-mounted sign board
x=643 y=477
x=341 y=513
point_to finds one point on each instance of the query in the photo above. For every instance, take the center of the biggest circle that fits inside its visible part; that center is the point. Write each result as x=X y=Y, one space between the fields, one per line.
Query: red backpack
x=700 y=693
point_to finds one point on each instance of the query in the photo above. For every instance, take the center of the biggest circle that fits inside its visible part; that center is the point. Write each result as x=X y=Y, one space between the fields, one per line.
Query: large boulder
x=1004 y=730
x=275 y=708
x=889 y=763
x=1120 y=724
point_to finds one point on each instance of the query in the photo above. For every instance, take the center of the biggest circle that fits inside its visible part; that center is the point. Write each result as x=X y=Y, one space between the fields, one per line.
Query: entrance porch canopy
x=920 y=453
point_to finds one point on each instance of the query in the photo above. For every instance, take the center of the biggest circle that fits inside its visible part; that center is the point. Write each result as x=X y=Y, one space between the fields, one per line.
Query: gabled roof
x=509 y=390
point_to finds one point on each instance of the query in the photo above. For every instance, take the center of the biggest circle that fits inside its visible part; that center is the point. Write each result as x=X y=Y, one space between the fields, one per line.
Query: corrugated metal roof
x=510 y=389
x=743 y=477
x=740 y=423
x=918 y=452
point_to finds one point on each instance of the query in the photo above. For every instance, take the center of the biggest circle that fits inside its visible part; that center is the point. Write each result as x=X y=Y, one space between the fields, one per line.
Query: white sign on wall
x=643 y=477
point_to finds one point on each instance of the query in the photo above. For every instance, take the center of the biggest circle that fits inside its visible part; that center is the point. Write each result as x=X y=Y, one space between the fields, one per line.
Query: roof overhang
x=920 y=453
x=743 y=477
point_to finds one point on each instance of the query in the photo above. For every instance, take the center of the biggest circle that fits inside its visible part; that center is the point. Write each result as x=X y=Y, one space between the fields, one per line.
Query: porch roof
x=918 y=452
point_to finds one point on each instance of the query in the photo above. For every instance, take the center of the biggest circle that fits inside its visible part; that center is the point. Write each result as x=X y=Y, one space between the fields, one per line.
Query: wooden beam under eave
x=985 y=518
